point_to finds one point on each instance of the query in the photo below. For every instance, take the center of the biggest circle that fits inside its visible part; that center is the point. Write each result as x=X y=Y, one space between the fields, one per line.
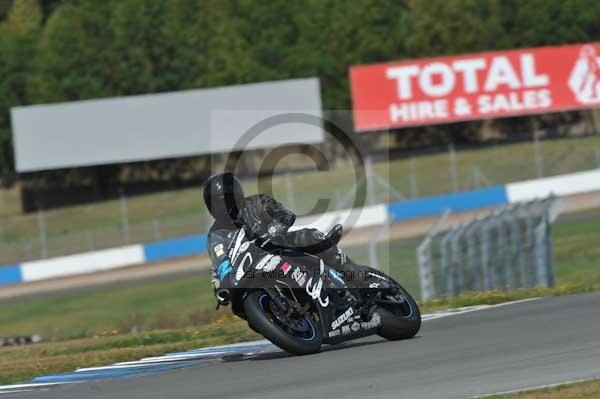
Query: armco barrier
x=373 y=215
x=175 y=248
x=88 y=262
x=10 y=274
x=367 y=216
x=457 y=202
x=574 y=183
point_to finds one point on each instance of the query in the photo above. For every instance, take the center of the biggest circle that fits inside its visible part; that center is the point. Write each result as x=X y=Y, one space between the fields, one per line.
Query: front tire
x=262 y=319
x=401 y=322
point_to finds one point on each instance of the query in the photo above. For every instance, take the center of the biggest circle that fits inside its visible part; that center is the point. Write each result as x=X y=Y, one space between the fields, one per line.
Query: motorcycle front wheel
x=294 y=333
x=400 y=318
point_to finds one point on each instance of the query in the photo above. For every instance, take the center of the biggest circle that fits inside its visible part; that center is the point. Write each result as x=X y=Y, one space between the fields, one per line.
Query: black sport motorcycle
x=298 y=303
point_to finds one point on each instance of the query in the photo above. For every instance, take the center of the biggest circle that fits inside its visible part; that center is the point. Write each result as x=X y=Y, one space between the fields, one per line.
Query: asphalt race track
x=516 y=346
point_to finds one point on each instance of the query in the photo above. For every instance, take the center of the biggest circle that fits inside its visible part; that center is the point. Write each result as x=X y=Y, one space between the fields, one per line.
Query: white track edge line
x=32 y=385
x=536 y=388
x=145 y=361
x=470 y=309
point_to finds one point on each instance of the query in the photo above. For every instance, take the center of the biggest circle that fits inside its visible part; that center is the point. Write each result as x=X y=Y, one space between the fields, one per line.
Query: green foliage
x=442 y=27
x=18 y=34
x=80 y=49
x=24 y=17
x=73 y=60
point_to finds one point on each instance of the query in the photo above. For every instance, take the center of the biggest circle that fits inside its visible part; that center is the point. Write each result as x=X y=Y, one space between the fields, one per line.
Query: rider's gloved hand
x=335 y=235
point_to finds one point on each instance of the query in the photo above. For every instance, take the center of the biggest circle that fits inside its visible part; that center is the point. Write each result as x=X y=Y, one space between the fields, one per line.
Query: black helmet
x=223 y=196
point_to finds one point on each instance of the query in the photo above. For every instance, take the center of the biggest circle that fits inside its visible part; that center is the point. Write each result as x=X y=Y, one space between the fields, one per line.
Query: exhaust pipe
x=223 y=296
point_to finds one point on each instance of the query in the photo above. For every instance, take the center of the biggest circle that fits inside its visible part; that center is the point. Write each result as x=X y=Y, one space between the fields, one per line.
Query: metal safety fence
x=146 y=218
x=511 y=248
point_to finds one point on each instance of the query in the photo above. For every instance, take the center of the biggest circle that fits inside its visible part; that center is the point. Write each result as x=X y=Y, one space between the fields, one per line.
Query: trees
x=18 y=35
x=55 y=50
x=74 y=58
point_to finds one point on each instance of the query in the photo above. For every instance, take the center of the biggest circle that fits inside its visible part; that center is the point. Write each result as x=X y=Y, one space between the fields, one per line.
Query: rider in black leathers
x=263 y=219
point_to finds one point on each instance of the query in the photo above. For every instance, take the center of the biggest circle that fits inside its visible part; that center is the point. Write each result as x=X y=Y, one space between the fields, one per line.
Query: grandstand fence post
x=485 y=257
x=90 y=240
x=453 y=170
x=456 y=261
x=505 y=273
x=447 y=281
x=289 y=191
x=539 y=171
x=124 y=219
x=530 y=247
x=517 y=257
x=373 y=241
x=425 y=259
x=414 y=188
x=156 y=229
x=471 y=254
x=369 y=181
x=426 y=276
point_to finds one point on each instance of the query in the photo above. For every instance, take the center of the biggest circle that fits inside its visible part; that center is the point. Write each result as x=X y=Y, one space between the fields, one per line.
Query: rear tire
x=256 y=306
x=400 y=325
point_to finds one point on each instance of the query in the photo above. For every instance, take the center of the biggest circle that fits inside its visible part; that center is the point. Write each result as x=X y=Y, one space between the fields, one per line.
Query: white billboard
x=166 y=125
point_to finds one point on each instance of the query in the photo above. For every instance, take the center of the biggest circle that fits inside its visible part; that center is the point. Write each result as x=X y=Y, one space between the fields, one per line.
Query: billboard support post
x=539 y=172
x=414 y=188
x=453 y=172
x=43 y=237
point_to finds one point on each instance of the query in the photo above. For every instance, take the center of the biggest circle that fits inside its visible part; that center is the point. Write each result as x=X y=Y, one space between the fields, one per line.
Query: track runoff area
x=462 y=353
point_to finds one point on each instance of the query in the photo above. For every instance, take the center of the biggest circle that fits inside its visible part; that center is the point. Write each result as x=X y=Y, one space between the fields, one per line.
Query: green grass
x=186 y=302
x=581 y=390
x=158 y=305
x=146 y=319
x=182 y=212
x=25 y=362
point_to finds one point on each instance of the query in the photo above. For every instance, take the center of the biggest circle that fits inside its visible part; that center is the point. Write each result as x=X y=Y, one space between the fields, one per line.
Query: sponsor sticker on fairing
x=345 y=330
x=219 y=251
x=268 y=263
x=285 y=268
x=244 y=246
x=334 y=333
x=299 y=277
x=272 y=264
x=374 y=322
x=342 y=318
x=355 y=326
x=246 y=260
x=314 y=288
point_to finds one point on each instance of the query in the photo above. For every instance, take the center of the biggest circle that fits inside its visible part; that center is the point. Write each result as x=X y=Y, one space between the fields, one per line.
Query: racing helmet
x=224 y=196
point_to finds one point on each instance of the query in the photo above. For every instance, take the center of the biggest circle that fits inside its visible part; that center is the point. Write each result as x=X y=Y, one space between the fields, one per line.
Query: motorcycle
x=298 y=303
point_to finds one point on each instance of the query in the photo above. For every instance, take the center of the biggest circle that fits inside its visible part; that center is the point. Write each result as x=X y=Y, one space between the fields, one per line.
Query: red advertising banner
x=475 y=86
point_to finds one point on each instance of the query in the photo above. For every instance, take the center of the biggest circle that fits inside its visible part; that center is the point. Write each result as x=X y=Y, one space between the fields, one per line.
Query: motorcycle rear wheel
x=265 y=320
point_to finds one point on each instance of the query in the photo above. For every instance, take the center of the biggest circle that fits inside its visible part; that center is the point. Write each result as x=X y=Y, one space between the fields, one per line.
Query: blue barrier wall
x=10 y=274
x=196 y=244
x=457 y=202
x=174 y=248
